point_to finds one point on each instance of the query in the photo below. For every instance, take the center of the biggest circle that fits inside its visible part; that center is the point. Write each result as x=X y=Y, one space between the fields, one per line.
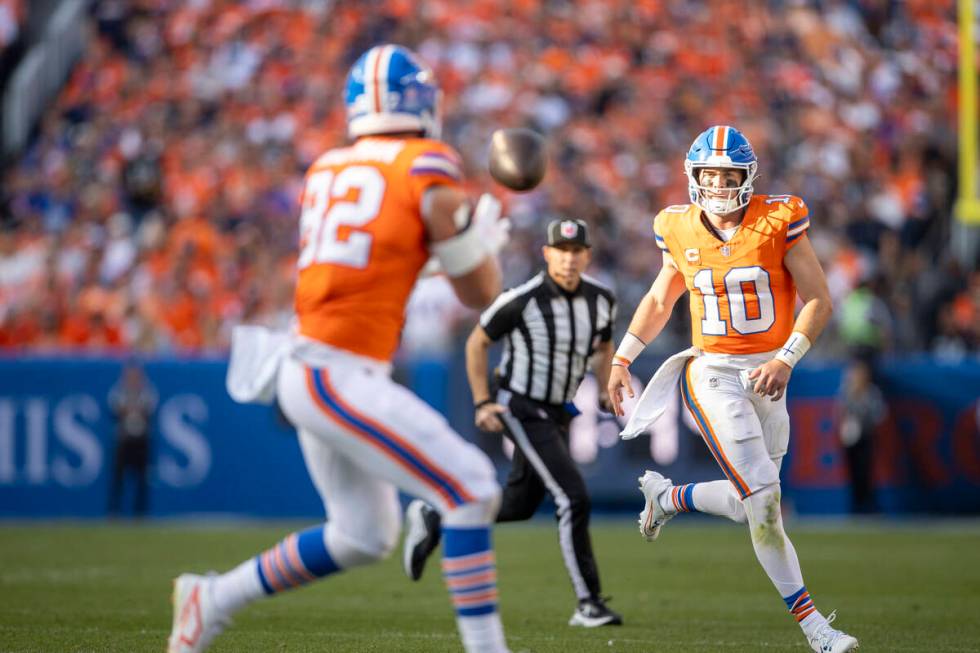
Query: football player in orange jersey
x=373 y=213
x=744 y=258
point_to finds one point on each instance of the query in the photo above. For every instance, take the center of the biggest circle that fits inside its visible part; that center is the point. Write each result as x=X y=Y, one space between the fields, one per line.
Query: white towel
x=653 y=402
x=253 y=366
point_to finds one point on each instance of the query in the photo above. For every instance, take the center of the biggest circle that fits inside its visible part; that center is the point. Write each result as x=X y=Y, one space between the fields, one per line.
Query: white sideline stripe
x=382 y=79
x=424 y=162
x=370 y=81
x=801 y=228
x=561 y=499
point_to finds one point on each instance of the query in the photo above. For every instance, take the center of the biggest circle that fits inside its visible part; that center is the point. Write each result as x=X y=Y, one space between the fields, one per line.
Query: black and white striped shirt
x=549 y=335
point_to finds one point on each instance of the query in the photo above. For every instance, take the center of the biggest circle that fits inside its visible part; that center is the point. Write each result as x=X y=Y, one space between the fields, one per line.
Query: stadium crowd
x=157 y=206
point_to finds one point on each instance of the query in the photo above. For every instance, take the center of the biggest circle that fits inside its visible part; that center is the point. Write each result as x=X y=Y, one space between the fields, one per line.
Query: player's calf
x=469 y=569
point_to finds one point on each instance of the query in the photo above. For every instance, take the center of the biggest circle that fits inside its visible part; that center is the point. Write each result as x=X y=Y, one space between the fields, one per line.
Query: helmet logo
x=568 y=229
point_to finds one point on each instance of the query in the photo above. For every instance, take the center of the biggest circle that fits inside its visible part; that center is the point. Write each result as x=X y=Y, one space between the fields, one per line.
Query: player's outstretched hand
x=494 y=230
x=619 y=379
x=771 y=379
x=487 y=418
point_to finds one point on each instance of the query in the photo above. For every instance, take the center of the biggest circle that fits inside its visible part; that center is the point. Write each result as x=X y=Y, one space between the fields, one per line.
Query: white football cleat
x=196 y=620
x=826 y=639
x=653 y=517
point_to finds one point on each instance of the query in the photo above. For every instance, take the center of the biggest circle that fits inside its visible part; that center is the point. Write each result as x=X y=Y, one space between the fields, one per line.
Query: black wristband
x=481 y=404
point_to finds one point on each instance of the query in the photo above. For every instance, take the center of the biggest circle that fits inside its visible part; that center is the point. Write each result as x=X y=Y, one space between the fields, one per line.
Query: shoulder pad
x=795 y=205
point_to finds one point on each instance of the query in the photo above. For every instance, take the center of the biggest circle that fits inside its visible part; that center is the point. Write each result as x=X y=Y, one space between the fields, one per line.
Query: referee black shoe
x=594 y=612
x=424 y=532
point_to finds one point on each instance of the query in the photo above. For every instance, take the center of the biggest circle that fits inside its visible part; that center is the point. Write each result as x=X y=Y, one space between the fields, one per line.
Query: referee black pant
x=543 y=463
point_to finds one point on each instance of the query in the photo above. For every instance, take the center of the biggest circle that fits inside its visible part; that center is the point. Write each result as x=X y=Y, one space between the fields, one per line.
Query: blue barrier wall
x=210 y=455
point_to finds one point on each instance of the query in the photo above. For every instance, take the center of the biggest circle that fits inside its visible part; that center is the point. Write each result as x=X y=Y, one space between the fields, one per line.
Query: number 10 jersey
x=742 y=296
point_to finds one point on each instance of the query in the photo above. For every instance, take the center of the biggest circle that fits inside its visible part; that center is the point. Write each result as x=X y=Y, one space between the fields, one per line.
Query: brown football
x=517 y=158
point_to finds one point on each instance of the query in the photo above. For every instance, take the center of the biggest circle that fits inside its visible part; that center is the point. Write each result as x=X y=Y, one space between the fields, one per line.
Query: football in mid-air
x=517 y=158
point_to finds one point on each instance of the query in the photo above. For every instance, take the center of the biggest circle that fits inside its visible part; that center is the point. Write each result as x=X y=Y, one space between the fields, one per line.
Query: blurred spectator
x=197 y=119
x=864 y=409
x=864 y=318
x=132 y=401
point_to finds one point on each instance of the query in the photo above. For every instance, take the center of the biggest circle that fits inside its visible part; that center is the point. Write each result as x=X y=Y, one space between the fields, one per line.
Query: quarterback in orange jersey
x=373 y=213
x=744 y=258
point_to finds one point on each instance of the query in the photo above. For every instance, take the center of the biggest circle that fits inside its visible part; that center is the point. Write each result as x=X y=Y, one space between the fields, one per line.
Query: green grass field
x=912 y=587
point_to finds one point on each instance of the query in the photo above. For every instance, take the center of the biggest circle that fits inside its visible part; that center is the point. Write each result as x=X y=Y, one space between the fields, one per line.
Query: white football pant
x=364 y=437
x=747 y=434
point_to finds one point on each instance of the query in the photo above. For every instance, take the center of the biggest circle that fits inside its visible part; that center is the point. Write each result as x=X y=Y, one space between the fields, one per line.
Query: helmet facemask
x=720 y=201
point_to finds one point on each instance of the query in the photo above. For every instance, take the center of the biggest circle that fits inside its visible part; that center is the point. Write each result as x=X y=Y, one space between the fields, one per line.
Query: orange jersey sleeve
x=363 y=241
x=742 y=296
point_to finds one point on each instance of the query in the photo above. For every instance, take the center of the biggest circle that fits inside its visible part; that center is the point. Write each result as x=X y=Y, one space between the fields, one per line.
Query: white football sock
x=774 y=550
x=482 y=634
x=714 y=498
x=234 y=589
x=719 y=498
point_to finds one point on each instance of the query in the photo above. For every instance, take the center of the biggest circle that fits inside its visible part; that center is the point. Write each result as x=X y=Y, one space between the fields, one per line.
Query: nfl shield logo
x=568 y=229
x=726 y=250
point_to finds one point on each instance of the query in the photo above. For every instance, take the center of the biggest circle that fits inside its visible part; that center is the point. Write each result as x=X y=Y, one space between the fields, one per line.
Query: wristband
x=629 y=349
x=794 y=349
x=460 y=254
x=480 y=404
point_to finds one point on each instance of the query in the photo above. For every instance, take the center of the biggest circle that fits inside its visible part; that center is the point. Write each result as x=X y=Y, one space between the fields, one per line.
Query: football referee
x=551 y=326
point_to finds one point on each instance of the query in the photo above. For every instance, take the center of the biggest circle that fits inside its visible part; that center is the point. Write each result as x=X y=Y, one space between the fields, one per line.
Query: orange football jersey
x=742 y=296
x=363 y=241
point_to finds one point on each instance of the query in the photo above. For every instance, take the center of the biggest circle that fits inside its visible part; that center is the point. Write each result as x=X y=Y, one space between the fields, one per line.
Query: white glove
x=494 y=230
x=491 y=230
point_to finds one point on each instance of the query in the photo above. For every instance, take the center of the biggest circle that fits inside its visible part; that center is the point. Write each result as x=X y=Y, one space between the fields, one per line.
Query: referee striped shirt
x=549 y=335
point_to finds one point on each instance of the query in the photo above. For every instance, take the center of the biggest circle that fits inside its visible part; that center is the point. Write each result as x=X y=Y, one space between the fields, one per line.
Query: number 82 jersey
x=363 y=240
x=742 y=295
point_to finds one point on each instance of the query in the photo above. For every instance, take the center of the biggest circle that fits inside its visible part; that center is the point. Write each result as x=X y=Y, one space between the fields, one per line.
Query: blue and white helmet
x=721 y=147
x=390 y=90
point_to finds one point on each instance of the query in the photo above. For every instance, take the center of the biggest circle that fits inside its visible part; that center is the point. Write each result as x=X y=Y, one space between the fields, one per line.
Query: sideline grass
x=86 y=588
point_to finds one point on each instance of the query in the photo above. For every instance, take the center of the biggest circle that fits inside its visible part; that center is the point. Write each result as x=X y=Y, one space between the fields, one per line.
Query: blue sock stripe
x=489 y=608
x=472 y=590
x=266 y=587
x=313 y=552
x=790 y=600
x=296 y=575
x=468 y=571
x=689 y=497
x=459 y=542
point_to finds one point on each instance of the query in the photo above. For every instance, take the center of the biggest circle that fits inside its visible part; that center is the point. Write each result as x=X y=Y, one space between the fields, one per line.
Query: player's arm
x=811 y=284
x=477 y=356
x=471 y=267
x=602 y=366
x=648 y=321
